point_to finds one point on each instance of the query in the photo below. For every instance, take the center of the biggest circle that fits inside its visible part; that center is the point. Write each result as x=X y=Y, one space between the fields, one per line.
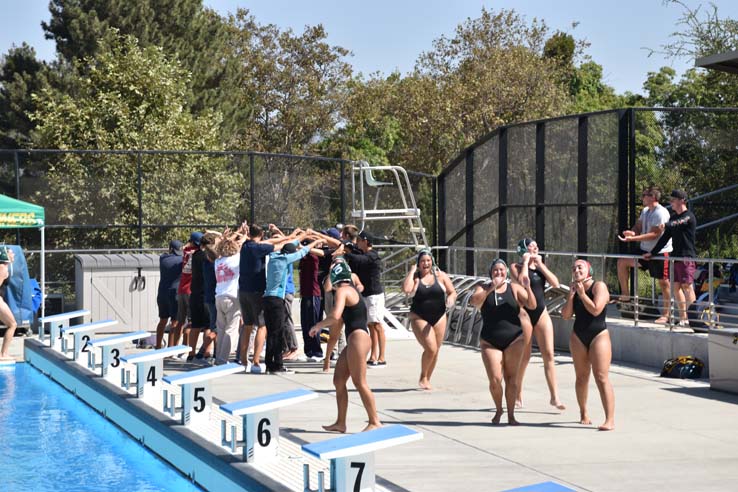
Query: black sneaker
x=282 y=371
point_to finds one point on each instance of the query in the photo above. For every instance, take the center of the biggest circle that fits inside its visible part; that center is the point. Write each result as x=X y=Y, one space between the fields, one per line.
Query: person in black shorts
x=432 y=293
x=503 y=338
x=199 y=317
x=170 y=269
x=532 y=267
x=590 y=345
x=349 y=309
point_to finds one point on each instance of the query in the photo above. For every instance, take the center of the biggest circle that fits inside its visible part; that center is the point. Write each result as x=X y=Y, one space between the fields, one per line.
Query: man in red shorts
x=682 y=228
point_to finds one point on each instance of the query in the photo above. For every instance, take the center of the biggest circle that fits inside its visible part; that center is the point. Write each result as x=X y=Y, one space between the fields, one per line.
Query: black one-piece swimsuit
x=537 y=285
x=429 y=302
x=501 y=319
x=586 y=326
x=354 y=317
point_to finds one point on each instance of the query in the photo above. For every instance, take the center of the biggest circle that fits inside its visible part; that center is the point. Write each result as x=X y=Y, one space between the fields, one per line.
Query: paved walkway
x=670 y=434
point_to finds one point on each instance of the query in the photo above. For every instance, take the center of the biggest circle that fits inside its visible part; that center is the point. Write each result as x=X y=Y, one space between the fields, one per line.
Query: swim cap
x=340 y=272
x=523 y=245
x=495 y=262
x=422 y=253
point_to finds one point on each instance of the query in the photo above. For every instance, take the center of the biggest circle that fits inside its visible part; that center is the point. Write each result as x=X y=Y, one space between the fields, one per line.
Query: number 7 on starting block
x=352 y=457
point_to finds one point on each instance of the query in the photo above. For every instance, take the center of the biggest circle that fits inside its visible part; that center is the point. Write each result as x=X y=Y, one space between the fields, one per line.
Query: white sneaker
x=315 y=358
x=302 y=358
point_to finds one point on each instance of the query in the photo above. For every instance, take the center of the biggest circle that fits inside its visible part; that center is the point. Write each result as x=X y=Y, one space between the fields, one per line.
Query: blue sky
x=386 y=35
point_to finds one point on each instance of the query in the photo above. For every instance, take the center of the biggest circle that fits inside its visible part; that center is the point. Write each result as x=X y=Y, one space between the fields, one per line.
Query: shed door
x=111 y=297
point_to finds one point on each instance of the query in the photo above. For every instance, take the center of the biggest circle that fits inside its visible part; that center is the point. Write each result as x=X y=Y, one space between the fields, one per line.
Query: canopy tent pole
x=43 y=271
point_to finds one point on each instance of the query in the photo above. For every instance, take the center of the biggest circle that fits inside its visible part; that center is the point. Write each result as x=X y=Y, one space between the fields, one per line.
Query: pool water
x=53 y=441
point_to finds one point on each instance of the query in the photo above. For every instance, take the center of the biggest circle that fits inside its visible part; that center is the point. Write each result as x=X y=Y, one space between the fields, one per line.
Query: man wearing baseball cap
x=682 y=229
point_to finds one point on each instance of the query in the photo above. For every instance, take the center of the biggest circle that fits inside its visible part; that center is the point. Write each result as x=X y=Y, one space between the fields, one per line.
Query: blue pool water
x=53 y=441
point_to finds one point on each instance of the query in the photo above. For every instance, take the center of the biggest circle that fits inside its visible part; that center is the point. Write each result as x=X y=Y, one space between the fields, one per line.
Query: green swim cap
x=340 y=272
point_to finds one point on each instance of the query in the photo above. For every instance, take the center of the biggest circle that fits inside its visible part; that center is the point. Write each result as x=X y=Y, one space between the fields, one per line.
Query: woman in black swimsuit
x=502 y=333
x=589 y=343
x=532 y=266
x=432 y=293
x=349 y=309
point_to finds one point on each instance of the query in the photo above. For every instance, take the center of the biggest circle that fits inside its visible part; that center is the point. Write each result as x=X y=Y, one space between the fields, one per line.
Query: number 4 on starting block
x=260 y=423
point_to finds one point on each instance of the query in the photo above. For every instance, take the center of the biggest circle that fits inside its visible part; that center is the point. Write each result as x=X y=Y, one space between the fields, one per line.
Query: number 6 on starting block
x=260 y=423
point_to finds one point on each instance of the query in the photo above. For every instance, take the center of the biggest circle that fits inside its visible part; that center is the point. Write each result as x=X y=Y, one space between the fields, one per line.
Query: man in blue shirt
x=274 y=294
x=251 y=286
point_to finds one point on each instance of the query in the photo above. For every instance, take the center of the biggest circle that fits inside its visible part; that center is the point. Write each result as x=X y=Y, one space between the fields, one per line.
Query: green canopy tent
x=16 y=214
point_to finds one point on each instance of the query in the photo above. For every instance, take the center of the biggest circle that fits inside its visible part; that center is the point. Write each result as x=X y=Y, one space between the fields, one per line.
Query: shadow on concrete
x=706 y=393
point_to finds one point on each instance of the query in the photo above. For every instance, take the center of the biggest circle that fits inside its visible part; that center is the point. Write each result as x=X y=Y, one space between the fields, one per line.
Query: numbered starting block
x=260 y=423
x=111 y=352
x=81 y=335
x=196 y=393
x=150 y=371
x=352 y=457
x=56 y=323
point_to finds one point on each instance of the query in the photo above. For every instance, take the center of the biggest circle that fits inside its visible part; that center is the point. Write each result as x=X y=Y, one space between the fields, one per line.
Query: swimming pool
x=53 y=441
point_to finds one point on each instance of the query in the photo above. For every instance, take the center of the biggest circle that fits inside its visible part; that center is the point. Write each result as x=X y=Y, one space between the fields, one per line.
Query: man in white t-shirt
x=647 y=231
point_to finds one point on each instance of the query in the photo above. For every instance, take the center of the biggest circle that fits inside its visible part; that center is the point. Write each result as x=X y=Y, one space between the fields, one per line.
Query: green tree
x=294 y=85
x=183 y=28
x=21 y=75
x=129 y=97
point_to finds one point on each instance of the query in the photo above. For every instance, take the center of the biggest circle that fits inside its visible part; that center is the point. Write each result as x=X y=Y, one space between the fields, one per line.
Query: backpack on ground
x=683 y=367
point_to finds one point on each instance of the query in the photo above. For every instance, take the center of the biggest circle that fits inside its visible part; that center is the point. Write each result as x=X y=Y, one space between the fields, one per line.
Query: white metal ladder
x=361 y=177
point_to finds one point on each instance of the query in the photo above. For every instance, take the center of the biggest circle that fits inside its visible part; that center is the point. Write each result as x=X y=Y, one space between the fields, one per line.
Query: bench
x=110 y=348
x=352 y=457
x=56 y=323
x=260 y=423
x=81 y=333
x=196 y=394
x=149 y=371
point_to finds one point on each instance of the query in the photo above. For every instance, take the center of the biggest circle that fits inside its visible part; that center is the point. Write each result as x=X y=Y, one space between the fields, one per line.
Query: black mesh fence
x=574 y=182
x=554 y=180
x=140 y=200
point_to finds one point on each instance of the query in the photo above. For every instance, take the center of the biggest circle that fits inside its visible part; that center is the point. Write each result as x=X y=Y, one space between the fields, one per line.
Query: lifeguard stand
x=362 y=180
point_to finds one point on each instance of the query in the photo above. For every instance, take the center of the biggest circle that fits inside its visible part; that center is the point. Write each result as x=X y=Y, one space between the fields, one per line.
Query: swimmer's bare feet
x=584 y=419
x=425 y=384
x=511 y=420
x=335 y=427
x=371 y=426
x=556 y=403
x=607 y=426
x=497 y=417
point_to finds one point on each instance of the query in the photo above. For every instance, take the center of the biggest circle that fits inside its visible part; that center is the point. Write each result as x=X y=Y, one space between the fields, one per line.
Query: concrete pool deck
x=669 y=433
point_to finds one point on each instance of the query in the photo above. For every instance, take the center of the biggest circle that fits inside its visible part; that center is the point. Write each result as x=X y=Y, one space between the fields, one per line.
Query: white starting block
x=196 y=393
x=110 y=348
x=56 y=323
x=81 y=334
x=352 y=457
x=260 y=423
x=150 y=371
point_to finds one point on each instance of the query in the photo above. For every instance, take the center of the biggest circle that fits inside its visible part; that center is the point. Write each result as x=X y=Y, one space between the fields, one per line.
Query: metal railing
x=714 y=307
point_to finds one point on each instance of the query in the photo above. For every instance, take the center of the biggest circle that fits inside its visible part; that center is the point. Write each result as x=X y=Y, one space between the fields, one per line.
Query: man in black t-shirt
x=682 y=229
x=365 y=262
